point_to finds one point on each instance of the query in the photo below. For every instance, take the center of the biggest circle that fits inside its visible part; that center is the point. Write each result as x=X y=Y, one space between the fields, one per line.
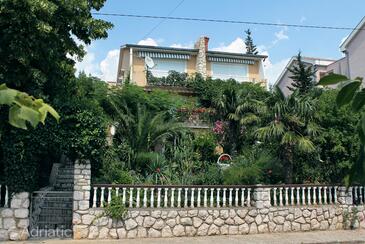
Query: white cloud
x=237 y=46
x=281 y=35
x=273 y=70
x=178 y=45
x=87 y=64
x=109 y=66
x=148 y=41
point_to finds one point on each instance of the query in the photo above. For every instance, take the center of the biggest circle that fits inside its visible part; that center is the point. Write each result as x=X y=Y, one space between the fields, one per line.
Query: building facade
x=222 y=65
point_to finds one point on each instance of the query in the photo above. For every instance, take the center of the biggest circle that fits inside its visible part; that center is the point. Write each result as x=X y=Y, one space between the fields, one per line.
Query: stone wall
x=14 y=221
x=90 y=223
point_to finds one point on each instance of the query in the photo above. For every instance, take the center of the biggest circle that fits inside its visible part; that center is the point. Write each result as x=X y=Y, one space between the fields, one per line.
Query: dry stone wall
x=14 y=221
x=90 y=223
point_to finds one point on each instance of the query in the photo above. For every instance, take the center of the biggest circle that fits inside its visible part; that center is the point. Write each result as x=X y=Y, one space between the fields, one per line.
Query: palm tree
x=290 y=126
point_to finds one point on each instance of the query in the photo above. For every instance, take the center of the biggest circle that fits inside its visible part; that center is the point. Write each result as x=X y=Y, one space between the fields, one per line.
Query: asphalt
x=339 y=236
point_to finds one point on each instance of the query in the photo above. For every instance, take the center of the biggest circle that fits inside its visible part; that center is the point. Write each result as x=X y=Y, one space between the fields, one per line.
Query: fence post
x=261 y=197
x=81 y=197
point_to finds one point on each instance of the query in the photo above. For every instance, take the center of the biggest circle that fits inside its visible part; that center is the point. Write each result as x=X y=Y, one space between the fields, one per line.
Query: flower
x=158 y=170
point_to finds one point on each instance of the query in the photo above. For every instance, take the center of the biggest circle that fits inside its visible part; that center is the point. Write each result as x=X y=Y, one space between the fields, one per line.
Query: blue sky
x=278 y=42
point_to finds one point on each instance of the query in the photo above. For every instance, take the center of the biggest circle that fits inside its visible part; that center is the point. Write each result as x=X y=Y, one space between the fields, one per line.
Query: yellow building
x=222 y=65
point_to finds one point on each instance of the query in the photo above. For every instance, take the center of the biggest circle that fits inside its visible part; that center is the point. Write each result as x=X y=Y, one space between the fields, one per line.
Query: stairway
x=52 y=207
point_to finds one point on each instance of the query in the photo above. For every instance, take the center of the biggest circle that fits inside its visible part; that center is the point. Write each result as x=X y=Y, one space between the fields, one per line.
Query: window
x=163 y=66
x=226 y=71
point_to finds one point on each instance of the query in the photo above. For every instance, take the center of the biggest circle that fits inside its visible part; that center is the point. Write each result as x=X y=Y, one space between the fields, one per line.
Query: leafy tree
x=302 y=76
x=353 y=94
x=39 y=43
x=290 y=126
x=250 y=46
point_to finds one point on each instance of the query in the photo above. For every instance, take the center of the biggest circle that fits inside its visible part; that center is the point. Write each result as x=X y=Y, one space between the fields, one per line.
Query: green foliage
x=204 y=144
x=302 y=76
x=173 y=78
x=116 y=209
x=25 y=108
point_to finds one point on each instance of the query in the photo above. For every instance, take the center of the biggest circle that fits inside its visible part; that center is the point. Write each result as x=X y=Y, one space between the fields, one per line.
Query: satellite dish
x=149 y=62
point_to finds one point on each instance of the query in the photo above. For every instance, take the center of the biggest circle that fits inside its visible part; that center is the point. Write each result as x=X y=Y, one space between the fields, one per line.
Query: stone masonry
x=201 y=59
x=14 y=221
x=89 y=223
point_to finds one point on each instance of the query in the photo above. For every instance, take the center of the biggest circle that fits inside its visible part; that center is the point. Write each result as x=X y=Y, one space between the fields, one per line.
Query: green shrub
x=204 y=144
x=116 y=209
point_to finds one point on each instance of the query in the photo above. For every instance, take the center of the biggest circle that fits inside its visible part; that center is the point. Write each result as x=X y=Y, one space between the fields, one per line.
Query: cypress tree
x=250 y=47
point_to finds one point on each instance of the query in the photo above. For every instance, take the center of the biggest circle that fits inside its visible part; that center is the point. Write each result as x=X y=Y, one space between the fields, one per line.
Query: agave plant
x=291 y=124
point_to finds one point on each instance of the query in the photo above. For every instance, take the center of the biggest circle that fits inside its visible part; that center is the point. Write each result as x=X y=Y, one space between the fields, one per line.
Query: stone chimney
x=201 y=59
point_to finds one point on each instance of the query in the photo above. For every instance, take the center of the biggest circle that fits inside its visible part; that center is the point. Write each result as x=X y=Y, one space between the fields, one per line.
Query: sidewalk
x=340 y=236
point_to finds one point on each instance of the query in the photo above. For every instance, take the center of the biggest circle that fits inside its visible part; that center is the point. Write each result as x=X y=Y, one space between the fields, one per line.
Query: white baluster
x=138 y=197
x=230 y=197
x=314 y=195
x=303 y=195
x=248 y=197
x=211 y=197
x=298 y=198
x=286 y=196
x=281 y=196
x=145 y=198
x=205 y=197
x=6 y=197
x=101 y=198
x=274 y=196
x=319 y=195
x=109 y=194
x=224 y=196
x=166 y=196
x=242 y=197
x=179 y=197
x=218 y=198
x=158 y=197
x=335 y=195
x=172 y=197
x=152 y=198
x=131 y=197
x=0 y=195
x=94 y=197
x=325 y=194
x=236 y=197
x=309 y=195
x=124 y=195
x=192 y=197
x=186 y=198
x=330 y=195
x=291 y=195
x=116 y=191
x=198 y=204
x=356 y=197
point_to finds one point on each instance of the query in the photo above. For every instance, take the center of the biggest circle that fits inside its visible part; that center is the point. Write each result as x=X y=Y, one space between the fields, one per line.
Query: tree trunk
x=288 y=165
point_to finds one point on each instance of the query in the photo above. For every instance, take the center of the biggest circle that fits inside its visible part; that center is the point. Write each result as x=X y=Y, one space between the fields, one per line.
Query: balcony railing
x=218 y=196
x=4 y=196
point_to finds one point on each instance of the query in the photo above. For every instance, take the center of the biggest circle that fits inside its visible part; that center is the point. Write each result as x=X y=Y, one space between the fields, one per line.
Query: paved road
x=341 y=236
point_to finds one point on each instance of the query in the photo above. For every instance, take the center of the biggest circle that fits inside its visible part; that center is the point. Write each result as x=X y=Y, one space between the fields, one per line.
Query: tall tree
x=302 y=76
x=250 y=46
x=40 y=40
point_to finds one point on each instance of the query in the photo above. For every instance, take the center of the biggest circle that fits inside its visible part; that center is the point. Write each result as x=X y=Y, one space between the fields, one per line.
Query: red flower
x=158 y=170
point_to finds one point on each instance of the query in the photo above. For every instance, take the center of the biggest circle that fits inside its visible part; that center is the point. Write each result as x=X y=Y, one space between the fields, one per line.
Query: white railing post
x=179 y=197
x=192 y=197
x=330 y=199
x=131 y=197
x=309 y=195
x=152 y=199
x=116 y=191
x=205 y=197
x=172 y=203
x=158 y=197
x=198 y=200
x=230 y=197
x=236 y=197
x=274 y=196
x=362 y=194
x=211 y=197
x=186 y=198
x=242 y=197
x=138 y=197
x=298 y=198
x=94 y=197
x=218 y=199
x=6 y=197
x=303 y=195
x=291 y=195
x=102 y=197
x=325 y=194
x=224 y=196
x=319 y=195
x=109 y=194
x=286 y=197
x=281 y=196
x=166 y=196
x=124 y=198
x=249 y=197
x=335 y=194
x=145 y=198
x=356 y=196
